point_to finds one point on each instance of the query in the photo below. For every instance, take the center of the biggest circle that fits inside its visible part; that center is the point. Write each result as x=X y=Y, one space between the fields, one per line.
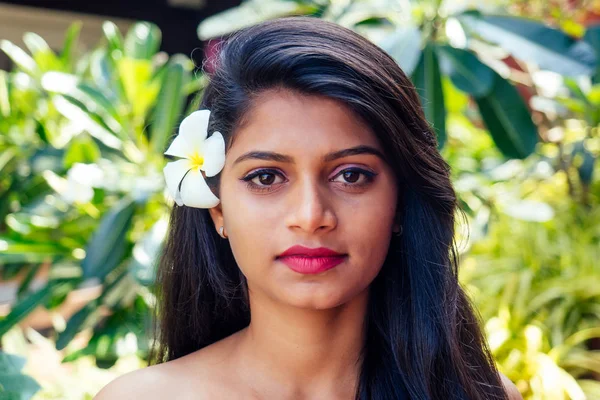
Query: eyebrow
x=272 y=156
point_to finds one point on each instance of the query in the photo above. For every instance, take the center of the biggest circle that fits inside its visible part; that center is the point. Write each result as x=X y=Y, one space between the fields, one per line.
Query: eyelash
x=369 y=177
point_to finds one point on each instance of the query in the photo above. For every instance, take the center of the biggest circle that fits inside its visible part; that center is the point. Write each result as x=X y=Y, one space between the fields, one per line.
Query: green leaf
x=19 y=57
x=103 y=342
x=82 y=150
x=249 y=13
x=108 y=244
x=404 y=45
x=113 y=36
x=35 y=43
x=40 y=130
x=10 y=363
x=67 y=55
x=465 y=70
x=104 y=75
x=75 y=323
x=9 y=395
x=142 y=41
x=31 y=273
x=21 y=309
x=428 y=82
x=87 y=315
x=8 y=159
x=584 y=161
x=171 y=100
x=592 y=36
x=60 y=293
x=4 y=94
x=43 y=55
x=18 y=384
x=13 y=251
x=589 y=110
x=77 y=112
x=533 y=41
x=100 y=99
x=140 y=89
x=146 y=253
x=506 y=117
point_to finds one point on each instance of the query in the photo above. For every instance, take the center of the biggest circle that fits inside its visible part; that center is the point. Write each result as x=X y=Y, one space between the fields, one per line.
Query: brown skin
x=306 y=331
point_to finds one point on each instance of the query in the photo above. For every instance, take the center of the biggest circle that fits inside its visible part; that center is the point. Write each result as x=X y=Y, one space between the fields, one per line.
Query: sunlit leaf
x=428 y=82
x=404 y=45
x=142 y=41
x=141 y=91
x=21 y=309
x=69 y=47
x=171 y=100
x=465 y=70
x=43 y=55
x=19 y=57
x=4 y=95
x=505 y=115
x=247 y=14
x=533 y=41
x=81 y=150
x=113 y=36
x=108 y=245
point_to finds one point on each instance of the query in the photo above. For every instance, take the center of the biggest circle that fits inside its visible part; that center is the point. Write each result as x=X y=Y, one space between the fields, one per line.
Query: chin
x=317 y=298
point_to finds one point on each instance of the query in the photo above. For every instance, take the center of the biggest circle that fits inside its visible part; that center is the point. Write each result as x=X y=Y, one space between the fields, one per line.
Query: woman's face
x=287 y=182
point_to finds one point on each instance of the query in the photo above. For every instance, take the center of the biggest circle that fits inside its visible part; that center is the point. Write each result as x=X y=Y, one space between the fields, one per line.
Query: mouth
x=305 y=260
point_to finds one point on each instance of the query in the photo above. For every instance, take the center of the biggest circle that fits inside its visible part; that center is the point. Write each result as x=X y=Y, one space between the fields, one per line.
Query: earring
x=399 y=233
x=221 y=232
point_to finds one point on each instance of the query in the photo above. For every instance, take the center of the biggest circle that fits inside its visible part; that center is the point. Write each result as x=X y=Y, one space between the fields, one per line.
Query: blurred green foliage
x=530 y=259
x=13 y=384
x=516 y=107
x=81 y=187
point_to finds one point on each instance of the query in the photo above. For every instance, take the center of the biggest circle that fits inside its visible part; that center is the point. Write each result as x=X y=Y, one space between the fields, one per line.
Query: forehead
x=286 y=121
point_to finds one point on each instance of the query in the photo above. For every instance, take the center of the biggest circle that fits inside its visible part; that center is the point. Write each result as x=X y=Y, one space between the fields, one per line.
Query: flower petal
x=174 y=173
x=179 y=148
x=214 y=154
x=194 y=130
x=195 y=192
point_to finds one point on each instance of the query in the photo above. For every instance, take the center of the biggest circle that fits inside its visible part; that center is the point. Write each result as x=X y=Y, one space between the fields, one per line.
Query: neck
x=305 y=353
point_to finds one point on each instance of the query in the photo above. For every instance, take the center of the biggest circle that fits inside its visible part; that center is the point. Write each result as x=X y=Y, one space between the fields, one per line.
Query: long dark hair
x=424 y=339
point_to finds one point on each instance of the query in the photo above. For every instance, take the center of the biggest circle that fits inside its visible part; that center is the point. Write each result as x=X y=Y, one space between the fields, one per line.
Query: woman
x=311 y=252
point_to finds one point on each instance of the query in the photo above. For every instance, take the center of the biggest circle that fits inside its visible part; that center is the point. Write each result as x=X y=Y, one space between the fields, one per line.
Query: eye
x=263 y=179
x=354 y=177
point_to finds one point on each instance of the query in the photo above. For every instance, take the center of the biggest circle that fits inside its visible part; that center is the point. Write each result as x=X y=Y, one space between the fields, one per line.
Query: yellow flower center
x=196 y=160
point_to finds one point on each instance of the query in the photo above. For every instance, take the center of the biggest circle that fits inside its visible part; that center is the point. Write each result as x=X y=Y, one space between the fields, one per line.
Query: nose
x=310 y=209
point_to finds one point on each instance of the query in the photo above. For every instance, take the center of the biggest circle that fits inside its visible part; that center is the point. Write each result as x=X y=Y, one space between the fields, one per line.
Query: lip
x=308 y=252
x=305 y=260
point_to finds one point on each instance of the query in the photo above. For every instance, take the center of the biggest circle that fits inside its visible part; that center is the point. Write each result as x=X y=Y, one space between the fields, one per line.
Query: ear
x=216 y=213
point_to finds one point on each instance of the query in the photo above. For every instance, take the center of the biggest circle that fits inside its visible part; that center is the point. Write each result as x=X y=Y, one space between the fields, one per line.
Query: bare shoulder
x=199 y=375
x=155 y=382
x=511 y=390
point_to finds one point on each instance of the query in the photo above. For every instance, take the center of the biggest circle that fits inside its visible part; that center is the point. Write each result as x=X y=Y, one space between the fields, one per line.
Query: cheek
x=251 y=223
x=370 y=235
x=371 y=225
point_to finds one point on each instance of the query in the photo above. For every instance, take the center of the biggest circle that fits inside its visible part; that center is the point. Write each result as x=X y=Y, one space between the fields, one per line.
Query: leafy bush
x=81 y=153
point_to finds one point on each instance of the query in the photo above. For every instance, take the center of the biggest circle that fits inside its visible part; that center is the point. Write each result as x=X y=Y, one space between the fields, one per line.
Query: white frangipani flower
x=199 y=153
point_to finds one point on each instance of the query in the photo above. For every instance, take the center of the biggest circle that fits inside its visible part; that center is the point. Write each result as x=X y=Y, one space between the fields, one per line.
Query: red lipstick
x=310 y=261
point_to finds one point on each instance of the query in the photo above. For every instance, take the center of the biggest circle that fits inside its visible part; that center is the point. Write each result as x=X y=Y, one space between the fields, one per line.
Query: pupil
x=350 y=177
x=266 y=179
